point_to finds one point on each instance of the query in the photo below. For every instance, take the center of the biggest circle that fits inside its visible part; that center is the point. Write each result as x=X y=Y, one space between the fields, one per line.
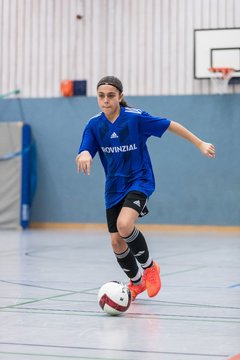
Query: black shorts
x=135 y=200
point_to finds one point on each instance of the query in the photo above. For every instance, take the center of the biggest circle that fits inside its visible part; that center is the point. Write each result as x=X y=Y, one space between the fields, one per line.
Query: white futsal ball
x=114 y=298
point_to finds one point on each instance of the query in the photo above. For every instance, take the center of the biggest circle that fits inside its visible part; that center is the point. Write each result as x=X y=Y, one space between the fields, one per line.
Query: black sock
x=129 y=265
x=137 y=243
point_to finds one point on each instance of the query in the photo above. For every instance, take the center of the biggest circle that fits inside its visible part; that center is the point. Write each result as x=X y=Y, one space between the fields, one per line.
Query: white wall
x=147 y=43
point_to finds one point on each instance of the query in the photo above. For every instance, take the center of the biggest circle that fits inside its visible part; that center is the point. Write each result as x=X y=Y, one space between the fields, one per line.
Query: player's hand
x=84 y=162
x=207 y=149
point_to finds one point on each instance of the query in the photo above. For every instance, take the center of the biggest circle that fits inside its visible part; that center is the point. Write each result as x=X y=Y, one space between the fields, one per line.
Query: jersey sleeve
x=88 y=142
x=154 y=126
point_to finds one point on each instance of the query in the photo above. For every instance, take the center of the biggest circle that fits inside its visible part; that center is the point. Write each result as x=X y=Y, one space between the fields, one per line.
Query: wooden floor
x=49 y=281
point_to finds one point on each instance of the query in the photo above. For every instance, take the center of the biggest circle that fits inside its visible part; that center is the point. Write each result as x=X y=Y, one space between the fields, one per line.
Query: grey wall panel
x=10 y=174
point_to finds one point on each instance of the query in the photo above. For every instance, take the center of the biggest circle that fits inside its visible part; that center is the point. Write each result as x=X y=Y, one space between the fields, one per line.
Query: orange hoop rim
x=226 y=71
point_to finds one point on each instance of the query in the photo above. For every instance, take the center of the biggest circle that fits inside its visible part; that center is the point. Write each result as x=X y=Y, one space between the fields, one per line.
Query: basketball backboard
x=216 y=48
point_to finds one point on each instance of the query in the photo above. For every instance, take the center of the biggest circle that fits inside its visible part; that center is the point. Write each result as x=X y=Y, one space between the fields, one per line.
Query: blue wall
x=191 y=189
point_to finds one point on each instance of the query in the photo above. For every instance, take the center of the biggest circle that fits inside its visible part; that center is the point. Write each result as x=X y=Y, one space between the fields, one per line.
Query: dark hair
x=114 y=81
x=124 y=103
x=111 y=80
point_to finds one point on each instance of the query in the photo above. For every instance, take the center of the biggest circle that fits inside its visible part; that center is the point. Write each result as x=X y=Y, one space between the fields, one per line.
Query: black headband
x=111 y=80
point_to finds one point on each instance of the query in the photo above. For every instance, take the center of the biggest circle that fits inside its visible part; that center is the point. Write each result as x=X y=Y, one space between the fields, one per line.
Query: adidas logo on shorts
x=137 y=202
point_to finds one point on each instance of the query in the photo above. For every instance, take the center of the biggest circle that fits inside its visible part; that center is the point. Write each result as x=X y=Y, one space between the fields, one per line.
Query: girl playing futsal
x=119 y=134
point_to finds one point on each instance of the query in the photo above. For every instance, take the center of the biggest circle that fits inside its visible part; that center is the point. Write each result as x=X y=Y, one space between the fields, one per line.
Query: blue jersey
x=123 y=151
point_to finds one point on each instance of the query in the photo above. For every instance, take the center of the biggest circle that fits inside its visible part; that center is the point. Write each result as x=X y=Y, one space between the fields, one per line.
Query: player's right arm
x=87 y=151
x=84 y=162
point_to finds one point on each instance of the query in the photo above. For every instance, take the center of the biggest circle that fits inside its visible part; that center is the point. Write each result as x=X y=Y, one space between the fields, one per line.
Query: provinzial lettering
x=116 y=149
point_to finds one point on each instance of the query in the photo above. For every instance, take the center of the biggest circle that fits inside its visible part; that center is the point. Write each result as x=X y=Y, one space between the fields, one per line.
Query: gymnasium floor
x=49 y=281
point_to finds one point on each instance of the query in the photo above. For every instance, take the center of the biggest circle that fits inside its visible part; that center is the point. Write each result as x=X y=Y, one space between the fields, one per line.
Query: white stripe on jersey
x=132 y=110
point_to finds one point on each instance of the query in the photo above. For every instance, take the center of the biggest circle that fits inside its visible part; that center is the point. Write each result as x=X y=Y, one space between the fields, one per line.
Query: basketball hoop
x=220 y=78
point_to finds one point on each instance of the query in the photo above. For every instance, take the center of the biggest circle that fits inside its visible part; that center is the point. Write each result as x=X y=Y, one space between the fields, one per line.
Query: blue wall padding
x=29 y=174
x=26 y=140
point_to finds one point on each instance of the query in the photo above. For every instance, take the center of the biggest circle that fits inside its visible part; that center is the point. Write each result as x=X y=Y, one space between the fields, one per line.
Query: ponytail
x=124 y=103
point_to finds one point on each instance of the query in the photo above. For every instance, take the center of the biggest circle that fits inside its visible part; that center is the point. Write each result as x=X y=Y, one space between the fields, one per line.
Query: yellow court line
x=144 y=227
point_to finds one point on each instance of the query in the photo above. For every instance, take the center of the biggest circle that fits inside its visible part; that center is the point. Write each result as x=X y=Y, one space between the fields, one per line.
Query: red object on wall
x=67 y=88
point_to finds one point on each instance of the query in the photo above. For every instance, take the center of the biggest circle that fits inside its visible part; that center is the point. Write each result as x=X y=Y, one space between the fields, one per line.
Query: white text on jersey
x=116 y=149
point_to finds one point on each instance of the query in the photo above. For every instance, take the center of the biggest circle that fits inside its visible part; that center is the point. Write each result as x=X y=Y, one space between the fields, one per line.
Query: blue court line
x=136 y=316
x=234 y=286
x=113 y=350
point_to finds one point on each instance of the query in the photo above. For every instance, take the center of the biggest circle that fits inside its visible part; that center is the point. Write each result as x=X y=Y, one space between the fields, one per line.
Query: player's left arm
x=206 y=148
